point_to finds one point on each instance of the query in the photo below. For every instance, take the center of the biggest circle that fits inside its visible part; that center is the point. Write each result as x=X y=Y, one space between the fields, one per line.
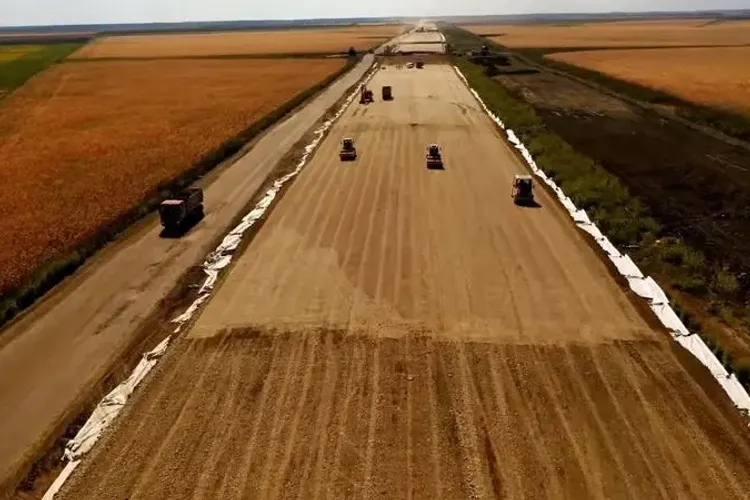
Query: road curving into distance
x=399 y=332
x=66 y=343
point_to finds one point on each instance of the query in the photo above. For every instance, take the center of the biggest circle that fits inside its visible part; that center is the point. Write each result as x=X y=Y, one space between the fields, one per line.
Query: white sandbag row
x=109 y=407
x=103 y=415
x=643 y=286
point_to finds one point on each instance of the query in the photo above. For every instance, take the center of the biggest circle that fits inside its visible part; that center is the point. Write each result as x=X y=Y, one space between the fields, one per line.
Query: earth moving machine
x=387 y=93
x=434 y=157
x=365 y=95
x=523 y=190
x=348 y=151
x=176 y=213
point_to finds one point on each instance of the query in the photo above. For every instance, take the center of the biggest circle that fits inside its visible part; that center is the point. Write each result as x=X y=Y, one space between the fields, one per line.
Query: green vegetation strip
x=16 y=72
x=623 y=218
x=52 y=273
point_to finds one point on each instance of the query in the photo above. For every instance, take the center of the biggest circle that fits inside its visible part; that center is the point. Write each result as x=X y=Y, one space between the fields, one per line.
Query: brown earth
x=299 y=41
x=715 y=77
x=85 y=142
x=395 y=332
x=653 y=33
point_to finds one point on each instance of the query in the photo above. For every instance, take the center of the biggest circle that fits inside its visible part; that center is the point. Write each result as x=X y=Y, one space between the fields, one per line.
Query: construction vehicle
x=434 y=157
x=420 y=65
x=387 y=93
x=523 y=190
x=365 y=95
x=177 y=212
x=348 y=151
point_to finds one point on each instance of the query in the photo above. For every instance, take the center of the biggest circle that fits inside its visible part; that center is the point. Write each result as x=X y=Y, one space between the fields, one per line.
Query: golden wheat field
x=87 y=141
x=236 y=43
x=712 y=76
x=620 y=34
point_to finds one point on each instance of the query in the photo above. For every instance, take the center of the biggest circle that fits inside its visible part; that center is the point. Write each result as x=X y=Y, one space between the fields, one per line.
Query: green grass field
x=18 y=63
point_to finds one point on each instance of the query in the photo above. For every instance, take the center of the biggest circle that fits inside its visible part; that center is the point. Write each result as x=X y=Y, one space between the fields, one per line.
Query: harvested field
x=619 y=34
x=394 y=331
x=707 y=76
x=324 y=40
x=86 y=142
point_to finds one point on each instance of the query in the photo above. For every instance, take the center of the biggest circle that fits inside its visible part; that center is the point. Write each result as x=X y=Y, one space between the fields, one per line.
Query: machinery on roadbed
x=348 y=151
x=434 y=157
x=178 y=213
x=387 y=93
x=365 y=95
x=523 y=190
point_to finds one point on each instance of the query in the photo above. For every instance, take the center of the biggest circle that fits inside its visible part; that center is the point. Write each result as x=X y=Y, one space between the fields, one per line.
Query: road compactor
x=365 y=95
x=348 y=151
x=523 y=190
x=434 y=157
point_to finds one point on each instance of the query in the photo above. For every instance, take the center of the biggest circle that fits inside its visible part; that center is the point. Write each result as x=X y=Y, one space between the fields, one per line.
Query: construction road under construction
x=399 y=332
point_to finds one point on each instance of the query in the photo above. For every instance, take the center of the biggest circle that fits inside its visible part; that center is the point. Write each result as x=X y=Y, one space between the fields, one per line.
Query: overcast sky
x=42 y=12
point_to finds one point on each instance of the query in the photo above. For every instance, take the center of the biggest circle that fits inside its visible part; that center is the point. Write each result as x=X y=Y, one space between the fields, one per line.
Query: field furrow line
x=248 y=453
x=580 y=374
x=537 y=457
x=166 y=450
x=274 y=478
x=694 y=445
x=372 y=420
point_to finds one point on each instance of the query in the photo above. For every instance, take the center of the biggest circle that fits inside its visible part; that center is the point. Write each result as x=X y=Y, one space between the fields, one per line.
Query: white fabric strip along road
x=645 y=287
x=109 y=407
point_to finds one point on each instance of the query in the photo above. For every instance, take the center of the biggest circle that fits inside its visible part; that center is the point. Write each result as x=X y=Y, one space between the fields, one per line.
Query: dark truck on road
x=179 y=212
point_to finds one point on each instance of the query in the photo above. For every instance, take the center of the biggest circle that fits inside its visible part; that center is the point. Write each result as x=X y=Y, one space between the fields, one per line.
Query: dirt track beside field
x=399 y=332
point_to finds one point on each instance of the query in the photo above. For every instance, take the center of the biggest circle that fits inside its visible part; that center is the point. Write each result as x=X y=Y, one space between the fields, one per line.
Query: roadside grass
x=625 y=220
x=50 y=274
x=16 y=72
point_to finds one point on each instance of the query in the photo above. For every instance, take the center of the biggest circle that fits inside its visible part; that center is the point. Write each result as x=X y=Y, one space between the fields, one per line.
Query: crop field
x=398 y=332
x=619 y=34
x=323 y=40
x=13 y=52
x=85 y=142
x=707 y=76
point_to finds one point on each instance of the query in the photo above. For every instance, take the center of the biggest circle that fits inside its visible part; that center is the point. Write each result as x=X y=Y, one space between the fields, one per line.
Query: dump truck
x=387 y=93
x=348 y=151
x=523 y=190
x=434 y=157
x=365 y=95
x=176 y=213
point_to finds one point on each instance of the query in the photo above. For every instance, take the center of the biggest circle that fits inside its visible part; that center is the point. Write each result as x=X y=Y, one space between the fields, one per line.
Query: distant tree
x=352 y=52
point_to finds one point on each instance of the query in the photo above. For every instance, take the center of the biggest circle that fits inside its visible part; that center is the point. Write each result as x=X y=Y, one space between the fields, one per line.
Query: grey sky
x=39 y=12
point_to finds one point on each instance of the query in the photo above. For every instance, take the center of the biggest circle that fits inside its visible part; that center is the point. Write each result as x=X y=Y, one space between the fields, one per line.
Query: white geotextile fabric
x=109 y=407
x=60 y=480
x=645 y=287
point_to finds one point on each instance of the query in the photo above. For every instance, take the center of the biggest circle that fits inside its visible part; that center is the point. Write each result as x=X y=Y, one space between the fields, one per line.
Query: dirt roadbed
x=394 y=331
